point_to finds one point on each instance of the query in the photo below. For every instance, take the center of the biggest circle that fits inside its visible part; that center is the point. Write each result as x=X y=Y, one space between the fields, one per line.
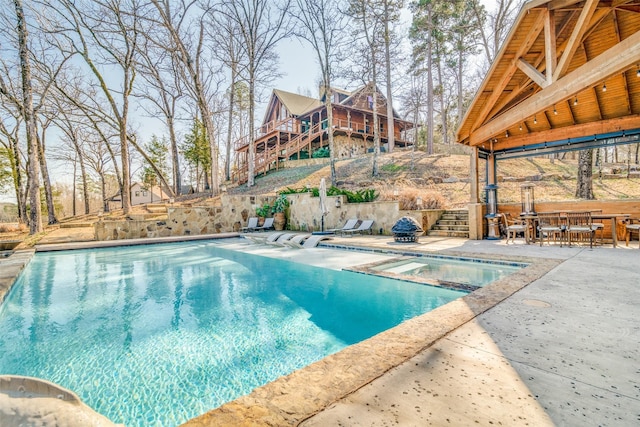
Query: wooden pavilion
x=295 y=126
x=566 y=78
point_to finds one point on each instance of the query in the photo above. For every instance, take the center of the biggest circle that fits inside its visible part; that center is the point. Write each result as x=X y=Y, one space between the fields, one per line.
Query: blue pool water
x=155 y=335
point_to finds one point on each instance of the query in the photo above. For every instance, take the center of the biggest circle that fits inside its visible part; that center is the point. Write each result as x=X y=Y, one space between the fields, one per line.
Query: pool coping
x=296 y=397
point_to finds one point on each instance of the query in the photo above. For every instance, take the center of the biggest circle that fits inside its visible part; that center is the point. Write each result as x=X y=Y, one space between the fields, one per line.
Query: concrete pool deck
x=556 y=345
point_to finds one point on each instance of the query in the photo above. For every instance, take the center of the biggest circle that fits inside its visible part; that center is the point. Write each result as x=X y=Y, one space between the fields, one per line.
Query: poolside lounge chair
x=252 y=224
x=268 y=225
x=349 y=225
x=313 y=240
x=273 y=237
x=297 y=241
x=365 y=227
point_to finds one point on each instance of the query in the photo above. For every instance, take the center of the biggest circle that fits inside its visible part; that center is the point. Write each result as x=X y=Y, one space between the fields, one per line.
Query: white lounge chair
x=297 y=240
x=349 y=225
x=268 y=225
x=252 y=224
x=365 y=227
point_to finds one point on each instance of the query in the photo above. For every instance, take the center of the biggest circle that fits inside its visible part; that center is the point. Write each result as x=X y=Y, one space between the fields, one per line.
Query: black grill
x=406 y=230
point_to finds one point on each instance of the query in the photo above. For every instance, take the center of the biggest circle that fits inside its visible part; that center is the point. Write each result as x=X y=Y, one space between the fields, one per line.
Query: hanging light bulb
x=638 y=71
x=555 y=112
x=604 y=87
x=575 y=101
x=520 y=127
x=506 y=134
x=535 y=120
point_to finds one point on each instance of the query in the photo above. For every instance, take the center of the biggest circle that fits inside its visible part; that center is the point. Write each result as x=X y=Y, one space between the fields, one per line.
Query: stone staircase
x=452 y=223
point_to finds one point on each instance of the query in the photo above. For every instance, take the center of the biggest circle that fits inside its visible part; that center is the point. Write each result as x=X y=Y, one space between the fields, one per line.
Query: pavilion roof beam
x=526 y=83
x=533 y=73
x=581 y=27
x=613 y=61
x=513 y=66
x=567 y=132
x=560 y=4
x=550 y=45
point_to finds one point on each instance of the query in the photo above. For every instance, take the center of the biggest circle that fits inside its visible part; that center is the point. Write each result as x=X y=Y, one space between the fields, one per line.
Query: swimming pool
x=155 y=335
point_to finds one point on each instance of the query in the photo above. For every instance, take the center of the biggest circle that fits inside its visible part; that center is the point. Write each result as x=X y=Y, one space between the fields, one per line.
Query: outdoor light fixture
x=638 y=71
x=604 y=87
x=535 y=120
x=555 y=112
x=506 y=134
x=338 y=203
x=520 y=127
x=575 y=101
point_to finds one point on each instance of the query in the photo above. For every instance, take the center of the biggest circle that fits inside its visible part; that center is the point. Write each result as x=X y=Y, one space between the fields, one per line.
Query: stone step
x=451 y=227
x=453 y=222
x=442 y=233
x=455 y=216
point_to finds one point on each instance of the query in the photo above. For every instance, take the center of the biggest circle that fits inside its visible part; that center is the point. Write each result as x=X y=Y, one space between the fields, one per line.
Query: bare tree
x=366 y=14
x=262 y=24
x=390 y=16
x=163 y=90
x=104 y=33
x=226 y=34
x=33 y=163
x=322 y=24
x=189 y=50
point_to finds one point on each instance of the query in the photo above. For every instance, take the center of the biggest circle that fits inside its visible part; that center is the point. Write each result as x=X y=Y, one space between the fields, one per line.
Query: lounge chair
x=349 y=225
x=365 y=227
x=252 y=224
x=297 y=241
x=268 y=225
x=313 y=240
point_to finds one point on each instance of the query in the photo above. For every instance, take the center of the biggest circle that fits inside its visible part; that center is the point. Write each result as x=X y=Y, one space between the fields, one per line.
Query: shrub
x=264 y=210
x=320 y=153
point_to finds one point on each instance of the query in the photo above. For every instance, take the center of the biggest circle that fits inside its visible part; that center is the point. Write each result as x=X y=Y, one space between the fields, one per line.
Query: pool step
x=452 y=223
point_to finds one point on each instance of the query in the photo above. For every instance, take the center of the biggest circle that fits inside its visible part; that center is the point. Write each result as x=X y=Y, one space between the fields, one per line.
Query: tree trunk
x=232 y=99
x=584 y=188
x=33 y=172
x=387 y=58
x=429 y=81
x=332 y=153
x=251 y=155
x=51 y=213
x=175 y=160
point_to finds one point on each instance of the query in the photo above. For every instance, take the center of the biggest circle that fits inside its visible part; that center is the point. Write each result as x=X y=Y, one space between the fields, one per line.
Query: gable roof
x=567 y=69
x=297 y=104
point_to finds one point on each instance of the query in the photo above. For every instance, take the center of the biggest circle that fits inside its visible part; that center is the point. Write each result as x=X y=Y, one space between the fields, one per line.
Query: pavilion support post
x=475 y=207
x=473 y=176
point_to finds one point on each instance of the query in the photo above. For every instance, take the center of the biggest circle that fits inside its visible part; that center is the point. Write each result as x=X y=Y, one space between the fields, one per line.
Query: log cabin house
x=295 y=126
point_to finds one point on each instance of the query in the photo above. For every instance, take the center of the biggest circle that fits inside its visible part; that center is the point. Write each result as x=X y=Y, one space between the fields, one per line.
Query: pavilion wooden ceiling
x=568 y=69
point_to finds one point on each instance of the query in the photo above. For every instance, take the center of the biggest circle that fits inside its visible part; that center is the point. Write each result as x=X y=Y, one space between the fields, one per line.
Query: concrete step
x=451 y=227
x=453 y=222
x=443 y=233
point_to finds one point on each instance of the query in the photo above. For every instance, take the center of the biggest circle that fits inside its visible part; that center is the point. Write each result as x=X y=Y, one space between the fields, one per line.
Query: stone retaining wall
x=234 y=211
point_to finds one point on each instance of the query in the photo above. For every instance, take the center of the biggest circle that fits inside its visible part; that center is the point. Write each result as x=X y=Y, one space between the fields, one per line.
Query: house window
x=144 y=194
x=370 y=100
